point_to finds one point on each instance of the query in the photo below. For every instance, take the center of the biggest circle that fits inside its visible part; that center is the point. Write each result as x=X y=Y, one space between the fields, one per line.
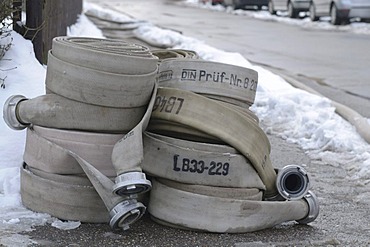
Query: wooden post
x=59 y=14
x=17 y=15
x=46 y=19
x=34 y=25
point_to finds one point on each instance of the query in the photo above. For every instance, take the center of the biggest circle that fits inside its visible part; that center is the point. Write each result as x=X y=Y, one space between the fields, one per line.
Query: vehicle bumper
x=254 y=2
x=362 y=12
x=302 y=5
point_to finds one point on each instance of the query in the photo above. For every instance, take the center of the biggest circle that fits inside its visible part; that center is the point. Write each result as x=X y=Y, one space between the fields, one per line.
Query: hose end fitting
x=126 y=213
x=131 y=183
x=10 y=113
x=313 y=208
x=292 y=182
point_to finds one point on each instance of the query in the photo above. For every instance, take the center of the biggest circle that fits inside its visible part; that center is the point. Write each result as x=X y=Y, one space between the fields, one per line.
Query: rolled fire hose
x=233 y=128
x=62 y=200
x=197 y=163
x=163 y=54
x=105 y=55
x=101 y=72
x=119 y=91
x=243 y=133
x=135 y=214
x=40 y=179
x=96 y=148
x=98 y=87
x=88 y=168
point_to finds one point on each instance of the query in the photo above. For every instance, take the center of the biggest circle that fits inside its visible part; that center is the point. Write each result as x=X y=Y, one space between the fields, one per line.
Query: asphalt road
x=344 y=218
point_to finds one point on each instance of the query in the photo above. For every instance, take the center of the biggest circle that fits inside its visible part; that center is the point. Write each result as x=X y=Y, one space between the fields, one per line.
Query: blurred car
x=213 y=2
x=240 y=4
x=293 y=7
x=340 y=11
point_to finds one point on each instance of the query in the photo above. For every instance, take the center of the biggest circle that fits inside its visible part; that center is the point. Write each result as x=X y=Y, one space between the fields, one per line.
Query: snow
x=293 y=114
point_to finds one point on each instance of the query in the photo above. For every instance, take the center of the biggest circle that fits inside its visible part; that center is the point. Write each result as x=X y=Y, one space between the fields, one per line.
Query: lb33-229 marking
x=199 y=166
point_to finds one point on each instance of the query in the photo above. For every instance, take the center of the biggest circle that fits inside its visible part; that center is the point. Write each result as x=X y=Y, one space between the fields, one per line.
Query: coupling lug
x=313 y=208
x=131 y=183
x=10 y=112
x=126 y=213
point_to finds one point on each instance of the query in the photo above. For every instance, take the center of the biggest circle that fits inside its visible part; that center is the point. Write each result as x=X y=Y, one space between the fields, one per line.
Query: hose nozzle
x=292 y=182
x=126 y=213
x=10 y=113
x=313 y=208
x=131 y=183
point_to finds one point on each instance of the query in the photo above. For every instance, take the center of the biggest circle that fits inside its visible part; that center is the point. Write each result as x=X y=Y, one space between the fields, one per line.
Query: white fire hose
x=201 y=147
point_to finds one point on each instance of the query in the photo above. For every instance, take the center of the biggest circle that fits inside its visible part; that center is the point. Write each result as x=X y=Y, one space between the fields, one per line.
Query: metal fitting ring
x=126 y=213
x=10 y=113
x=314 y=208
x=292 y=182
x=131 y=183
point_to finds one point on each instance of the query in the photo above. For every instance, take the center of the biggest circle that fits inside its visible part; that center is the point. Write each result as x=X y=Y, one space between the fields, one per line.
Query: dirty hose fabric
x=115 y=108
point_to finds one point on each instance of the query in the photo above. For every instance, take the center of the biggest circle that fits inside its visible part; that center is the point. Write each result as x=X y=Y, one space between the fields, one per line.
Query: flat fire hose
x=172 y=204
x=201 y=145
x=62 y=113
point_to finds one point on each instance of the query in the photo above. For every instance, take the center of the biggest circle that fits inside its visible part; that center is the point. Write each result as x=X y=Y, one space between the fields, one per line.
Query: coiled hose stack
x=115 y=112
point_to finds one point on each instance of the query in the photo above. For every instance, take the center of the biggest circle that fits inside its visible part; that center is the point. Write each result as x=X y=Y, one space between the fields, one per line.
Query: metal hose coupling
x=123 y=211
x=131 y=183
x=292 y=182
x=126 y=213
x=313 y=208
x=10 y=112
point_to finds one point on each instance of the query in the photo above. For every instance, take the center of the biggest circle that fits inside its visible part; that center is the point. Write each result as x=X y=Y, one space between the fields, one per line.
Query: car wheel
x=335 y=19
x=292 y=12
x=271 y=8
x=313 y=16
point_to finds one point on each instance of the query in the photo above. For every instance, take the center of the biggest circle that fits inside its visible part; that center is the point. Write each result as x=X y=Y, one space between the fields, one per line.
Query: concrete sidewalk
x=343 y=221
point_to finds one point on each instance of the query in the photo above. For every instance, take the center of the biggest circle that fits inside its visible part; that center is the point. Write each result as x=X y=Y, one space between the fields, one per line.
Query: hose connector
x=292 y=182
x=10 y=112
x=126 y=213
x=313 y=208
x=131 y=183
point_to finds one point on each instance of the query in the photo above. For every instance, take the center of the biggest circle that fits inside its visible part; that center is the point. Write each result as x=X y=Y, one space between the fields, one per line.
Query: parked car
x=293 y=7
x=213 y=2
x=240 y=4
x=340 y=11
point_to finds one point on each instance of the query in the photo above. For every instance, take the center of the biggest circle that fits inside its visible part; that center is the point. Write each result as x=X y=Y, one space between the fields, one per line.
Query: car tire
x=335 y=19
x=312 y=10
x=292 y=12
x=271 y=8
